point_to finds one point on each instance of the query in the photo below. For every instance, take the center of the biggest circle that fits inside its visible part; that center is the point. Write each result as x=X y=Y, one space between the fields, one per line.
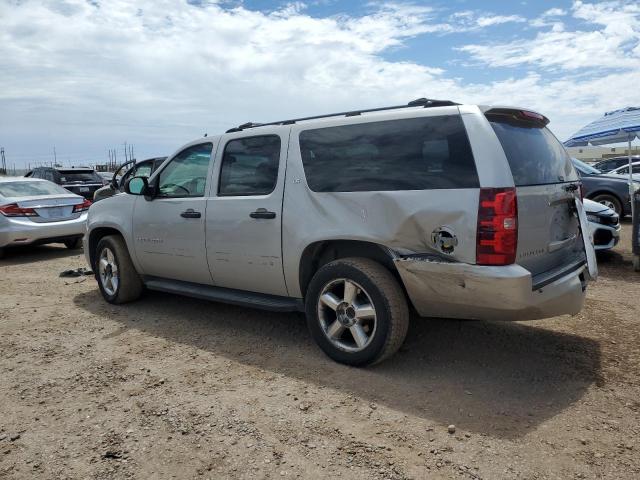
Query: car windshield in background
x=585 y=168
x=74 y=176
x=30 y=189
x=535 y=155
x=409 y=154
x=143 y=170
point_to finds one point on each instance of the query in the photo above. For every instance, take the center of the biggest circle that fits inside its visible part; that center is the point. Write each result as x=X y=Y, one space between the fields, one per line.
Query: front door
x=168 y=229
x=244 y=213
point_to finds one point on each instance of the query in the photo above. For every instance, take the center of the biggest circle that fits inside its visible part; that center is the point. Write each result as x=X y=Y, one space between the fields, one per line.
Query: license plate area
x=54 y=213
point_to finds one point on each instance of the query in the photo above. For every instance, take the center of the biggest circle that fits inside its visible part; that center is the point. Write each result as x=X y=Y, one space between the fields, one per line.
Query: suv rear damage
x=462 y=211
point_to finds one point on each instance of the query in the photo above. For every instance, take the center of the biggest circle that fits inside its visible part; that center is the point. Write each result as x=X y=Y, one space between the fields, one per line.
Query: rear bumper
x=22 y=231
x=460 y=290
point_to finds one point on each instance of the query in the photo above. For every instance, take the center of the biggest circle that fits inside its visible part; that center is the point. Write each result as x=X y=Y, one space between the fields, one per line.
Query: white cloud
x=158 y=73
x=554 y=12
x=609 y=47
x=498 y=19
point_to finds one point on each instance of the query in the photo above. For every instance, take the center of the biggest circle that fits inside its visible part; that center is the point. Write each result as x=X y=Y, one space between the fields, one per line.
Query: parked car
x=610 y=190
x=34 y=211
x=609 y=164
x=126 y=171
x=105 y=176
x=464 y=211
x=604 y=224
x=624 y=171
x=82 y=181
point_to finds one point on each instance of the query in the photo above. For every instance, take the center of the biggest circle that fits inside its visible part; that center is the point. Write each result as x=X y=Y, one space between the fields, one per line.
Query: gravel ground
x=173 y=387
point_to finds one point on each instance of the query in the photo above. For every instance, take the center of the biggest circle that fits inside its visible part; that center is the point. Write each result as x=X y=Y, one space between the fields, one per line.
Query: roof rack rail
x=419 y=102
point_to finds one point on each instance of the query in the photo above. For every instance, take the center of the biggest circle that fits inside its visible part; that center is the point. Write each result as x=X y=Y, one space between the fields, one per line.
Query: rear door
x=547 y=186
x=244 y=214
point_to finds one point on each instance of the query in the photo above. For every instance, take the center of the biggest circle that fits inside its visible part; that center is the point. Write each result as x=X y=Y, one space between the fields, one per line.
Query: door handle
x=190 y=213
x=262 y=213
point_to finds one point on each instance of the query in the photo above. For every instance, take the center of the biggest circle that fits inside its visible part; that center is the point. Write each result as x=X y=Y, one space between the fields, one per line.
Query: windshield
x=67 y=176
x=585 y=168
x=30 y=189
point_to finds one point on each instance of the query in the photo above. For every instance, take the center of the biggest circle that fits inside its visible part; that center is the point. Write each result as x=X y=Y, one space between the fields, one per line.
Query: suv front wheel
x=356 y=311
x=117 y=277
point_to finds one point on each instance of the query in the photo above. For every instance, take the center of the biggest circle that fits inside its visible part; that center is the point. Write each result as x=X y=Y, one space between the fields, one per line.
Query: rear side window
x=408 y=154
x=535 y=155
x=250 y=166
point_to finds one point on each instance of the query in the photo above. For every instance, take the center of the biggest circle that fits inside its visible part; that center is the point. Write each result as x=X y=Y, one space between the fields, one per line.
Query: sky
x=88 y=76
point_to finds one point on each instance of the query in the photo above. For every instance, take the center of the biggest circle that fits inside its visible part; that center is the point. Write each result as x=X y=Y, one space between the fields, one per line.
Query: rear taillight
x=13 y=210
x=497 y=237
x=82 y=207
x=581 y=192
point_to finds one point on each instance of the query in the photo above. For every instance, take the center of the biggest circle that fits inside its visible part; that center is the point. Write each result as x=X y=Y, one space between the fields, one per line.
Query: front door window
x=186 y=174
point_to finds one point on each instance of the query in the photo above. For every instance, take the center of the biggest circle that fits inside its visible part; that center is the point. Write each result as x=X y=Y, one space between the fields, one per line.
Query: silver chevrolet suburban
x=458 y=211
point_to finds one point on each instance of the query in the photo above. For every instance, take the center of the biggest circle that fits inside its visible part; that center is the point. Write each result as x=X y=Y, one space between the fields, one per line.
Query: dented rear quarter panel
x=401 y=220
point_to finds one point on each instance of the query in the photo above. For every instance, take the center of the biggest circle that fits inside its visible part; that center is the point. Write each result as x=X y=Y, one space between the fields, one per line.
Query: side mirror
x=137 y=186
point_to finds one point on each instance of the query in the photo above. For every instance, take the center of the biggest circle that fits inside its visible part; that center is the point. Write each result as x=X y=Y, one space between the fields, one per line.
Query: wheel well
x=95 y=236
x=320 y=253
x=605 y=192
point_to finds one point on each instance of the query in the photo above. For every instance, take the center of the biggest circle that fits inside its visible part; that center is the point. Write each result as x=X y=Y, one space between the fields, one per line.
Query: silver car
x=460 y=211
x=34 y=211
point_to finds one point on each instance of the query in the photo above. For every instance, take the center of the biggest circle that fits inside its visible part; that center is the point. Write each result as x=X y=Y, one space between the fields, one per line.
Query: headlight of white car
x=593 y=218
x=636 y=186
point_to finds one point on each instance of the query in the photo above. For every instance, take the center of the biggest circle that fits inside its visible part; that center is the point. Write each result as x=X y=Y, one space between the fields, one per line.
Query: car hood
x=594 y=207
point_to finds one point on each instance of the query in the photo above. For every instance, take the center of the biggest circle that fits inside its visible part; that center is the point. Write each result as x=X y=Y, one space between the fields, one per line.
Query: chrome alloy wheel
x=347 y=315
x=108 y=271
x=609 y=204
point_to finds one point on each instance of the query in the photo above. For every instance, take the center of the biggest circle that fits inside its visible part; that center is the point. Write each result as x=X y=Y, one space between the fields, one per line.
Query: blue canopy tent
x=617 y=126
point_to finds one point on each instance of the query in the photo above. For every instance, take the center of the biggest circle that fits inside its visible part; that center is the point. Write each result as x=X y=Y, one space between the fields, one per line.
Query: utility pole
x=4 y=162
x=55 y=157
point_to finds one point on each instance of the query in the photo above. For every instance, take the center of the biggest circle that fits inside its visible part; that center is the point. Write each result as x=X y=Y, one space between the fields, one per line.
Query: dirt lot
x=173 y=387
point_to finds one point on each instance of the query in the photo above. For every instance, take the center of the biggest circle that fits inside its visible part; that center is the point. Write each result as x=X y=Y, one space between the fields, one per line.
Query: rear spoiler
x=520 y=117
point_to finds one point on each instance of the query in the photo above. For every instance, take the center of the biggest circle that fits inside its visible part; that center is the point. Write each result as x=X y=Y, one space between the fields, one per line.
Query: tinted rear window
x=409 y=154
x=29 y=189
x=535 y=155
x=86 y=176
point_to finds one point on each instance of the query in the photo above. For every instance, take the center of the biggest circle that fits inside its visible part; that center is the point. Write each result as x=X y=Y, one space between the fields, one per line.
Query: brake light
x=532 y=115
x=497 y=236
x=82 y=207
x=13 y=210
x=581 y=192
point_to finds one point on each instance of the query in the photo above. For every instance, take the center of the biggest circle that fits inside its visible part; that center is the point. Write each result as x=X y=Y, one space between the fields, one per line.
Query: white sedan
x=34 y=211
x=604 y=224
x=624 y=171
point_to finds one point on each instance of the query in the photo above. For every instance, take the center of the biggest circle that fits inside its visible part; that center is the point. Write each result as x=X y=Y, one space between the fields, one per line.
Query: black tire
x=609 y=200
x=129 y=286
x=2 y=252
x=73 y=244
x=386 y=296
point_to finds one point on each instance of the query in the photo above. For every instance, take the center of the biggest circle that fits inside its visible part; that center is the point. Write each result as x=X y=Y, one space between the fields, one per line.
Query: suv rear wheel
x=117 y=278
x=356 y=311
